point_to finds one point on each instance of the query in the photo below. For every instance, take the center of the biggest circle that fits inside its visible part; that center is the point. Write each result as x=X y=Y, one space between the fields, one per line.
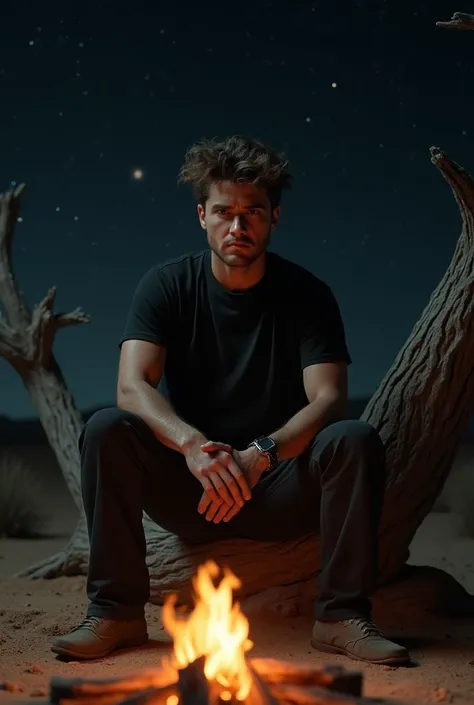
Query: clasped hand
x=226 y=475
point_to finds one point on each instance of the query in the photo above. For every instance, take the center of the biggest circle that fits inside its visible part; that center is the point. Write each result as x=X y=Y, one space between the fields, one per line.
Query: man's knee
x=353 y=436
x=355 y=431
x=105 y=424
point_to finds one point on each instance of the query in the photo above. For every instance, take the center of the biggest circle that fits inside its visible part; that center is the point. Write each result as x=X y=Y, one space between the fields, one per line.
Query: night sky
x=92 y=92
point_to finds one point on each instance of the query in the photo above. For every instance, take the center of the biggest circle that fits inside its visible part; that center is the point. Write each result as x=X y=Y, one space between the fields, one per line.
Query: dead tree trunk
x=26 y=342
x=423 y=404
x=420 y=410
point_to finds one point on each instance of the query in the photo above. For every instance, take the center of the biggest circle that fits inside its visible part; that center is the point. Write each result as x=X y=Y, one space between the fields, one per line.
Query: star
x=137 y=174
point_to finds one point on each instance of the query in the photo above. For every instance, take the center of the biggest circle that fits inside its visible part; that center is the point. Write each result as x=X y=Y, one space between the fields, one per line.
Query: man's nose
x=238 y=224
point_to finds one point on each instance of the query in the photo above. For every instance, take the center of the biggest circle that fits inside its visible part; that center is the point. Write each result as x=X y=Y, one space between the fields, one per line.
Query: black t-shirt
x=234 y=359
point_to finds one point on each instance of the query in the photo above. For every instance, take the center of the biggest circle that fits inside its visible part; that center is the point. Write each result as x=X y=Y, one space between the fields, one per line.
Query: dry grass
x=22 y=501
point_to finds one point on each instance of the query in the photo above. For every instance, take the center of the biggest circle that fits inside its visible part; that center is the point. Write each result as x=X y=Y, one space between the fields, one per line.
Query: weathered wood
x=273 y=681
x=193 y=686
x=26 y=342
x=276 y=672
x=63 y=688
x=260 y=694
x=423 y=404
x=271 y=671
x=460 y=20
x=313 y=695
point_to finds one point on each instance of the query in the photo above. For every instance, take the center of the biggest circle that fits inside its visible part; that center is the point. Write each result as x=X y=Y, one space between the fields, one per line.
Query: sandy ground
x=32 y=613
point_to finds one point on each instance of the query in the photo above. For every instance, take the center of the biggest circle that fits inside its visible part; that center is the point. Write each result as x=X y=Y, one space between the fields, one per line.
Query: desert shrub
x=22 y=512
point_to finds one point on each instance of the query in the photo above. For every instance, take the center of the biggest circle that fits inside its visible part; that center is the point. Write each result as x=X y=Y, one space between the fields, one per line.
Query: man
x=248 y=437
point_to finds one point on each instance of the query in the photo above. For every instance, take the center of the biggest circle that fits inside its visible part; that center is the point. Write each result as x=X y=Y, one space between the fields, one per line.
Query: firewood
x=143 y=696
x=108 y=699
x=193 y=686
x=150 y=696
x=272 y=672
x=259 y=694
x=62 y=689
x=314 y=695
x=332 y=677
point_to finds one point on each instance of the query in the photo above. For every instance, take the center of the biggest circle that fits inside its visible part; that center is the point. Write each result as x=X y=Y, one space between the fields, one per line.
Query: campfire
x=209 y=663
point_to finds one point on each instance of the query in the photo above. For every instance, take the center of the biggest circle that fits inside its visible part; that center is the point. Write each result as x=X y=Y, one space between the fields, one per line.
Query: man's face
x=238 y=219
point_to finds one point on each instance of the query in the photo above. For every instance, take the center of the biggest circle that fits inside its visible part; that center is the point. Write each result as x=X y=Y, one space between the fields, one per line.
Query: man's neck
x=238 y=278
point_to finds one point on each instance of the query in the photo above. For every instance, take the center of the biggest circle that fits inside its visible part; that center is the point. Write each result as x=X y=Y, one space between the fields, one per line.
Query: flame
x=215 y=629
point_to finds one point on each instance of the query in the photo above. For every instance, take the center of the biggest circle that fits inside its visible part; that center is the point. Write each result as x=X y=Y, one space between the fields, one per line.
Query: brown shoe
x=359 y=639
x=97 y=637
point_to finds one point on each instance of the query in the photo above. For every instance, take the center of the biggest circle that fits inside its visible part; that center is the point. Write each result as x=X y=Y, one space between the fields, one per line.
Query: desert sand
x=33 y=612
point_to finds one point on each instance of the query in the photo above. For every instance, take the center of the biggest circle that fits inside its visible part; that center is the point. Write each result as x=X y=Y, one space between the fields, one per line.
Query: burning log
x=63 y=689
x=294 y=695
x=275 y=674
x=273 y=682
x=259 y=692
x=153 y=696
x=193 y=686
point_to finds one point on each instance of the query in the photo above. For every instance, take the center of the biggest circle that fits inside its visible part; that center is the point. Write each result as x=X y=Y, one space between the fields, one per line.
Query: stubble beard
x=244 y=259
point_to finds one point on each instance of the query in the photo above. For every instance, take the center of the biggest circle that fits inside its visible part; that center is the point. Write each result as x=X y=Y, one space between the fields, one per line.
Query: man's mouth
x=238 y=244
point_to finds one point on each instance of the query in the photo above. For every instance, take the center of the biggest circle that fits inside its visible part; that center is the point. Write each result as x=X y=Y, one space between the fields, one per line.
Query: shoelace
x=366 y=626
x=88 y=623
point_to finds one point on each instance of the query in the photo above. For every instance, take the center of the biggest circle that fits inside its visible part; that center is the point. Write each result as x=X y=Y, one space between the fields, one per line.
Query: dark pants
x=334 y=489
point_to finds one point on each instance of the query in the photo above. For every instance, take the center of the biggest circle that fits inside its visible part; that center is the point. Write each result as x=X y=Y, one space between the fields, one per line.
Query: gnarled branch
x=15 y=308
x=26 y=340
x=45 y=324
x=460 y=20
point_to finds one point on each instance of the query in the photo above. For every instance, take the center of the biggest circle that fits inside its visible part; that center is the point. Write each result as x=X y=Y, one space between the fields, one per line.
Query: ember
x=208 y=664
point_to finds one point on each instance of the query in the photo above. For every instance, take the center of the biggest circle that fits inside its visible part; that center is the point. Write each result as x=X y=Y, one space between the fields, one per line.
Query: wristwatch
x=268 y=447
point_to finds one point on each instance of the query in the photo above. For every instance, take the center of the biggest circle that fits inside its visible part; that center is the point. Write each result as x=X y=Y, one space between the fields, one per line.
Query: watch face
x=266 y=444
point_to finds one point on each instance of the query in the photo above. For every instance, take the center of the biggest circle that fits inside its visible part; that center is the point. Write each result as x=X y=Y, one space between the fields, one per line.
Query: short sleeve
x=150 y=312
x=323 y=336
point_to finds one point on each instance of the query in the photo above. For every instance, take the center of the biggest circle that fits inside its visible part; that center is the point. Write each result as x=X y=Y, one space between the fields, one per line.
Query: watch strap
x=271 y=453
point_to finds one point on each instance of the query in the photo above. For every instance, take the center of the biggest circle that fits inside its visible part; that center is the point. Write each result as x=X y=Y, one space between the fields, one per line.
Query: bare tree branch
x=74 y=318
x=15 y=308
x=7 y=335
x=25 y=338
x=26 y=341
x=44 y=324
x=460 y=20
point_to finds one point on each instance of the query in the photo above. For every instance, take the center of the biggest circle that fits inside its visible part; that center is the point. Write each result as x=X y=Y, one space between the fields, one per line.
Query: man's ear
x=275 y=216
x=201 y=211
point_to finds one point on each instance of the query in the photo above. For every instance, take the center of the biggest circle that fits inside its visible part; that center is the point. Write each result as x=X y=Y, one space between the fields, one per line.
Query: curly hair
x=237 y=158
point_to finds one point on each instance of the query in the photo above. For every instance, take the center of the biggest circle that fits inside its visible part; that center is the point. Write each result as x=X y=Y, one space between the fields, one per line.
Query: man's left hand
x=251 y=462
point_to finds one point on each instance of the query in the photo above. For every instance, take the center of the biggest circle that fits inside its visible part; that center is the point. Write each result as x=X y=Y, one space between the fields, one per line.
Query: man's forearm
x=293 y=438
x=146 y=402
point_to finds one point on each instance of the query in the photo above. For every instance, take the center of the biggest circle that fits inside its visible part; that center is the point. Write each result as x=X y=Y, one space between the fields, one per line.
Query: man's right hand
x=219 y=474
